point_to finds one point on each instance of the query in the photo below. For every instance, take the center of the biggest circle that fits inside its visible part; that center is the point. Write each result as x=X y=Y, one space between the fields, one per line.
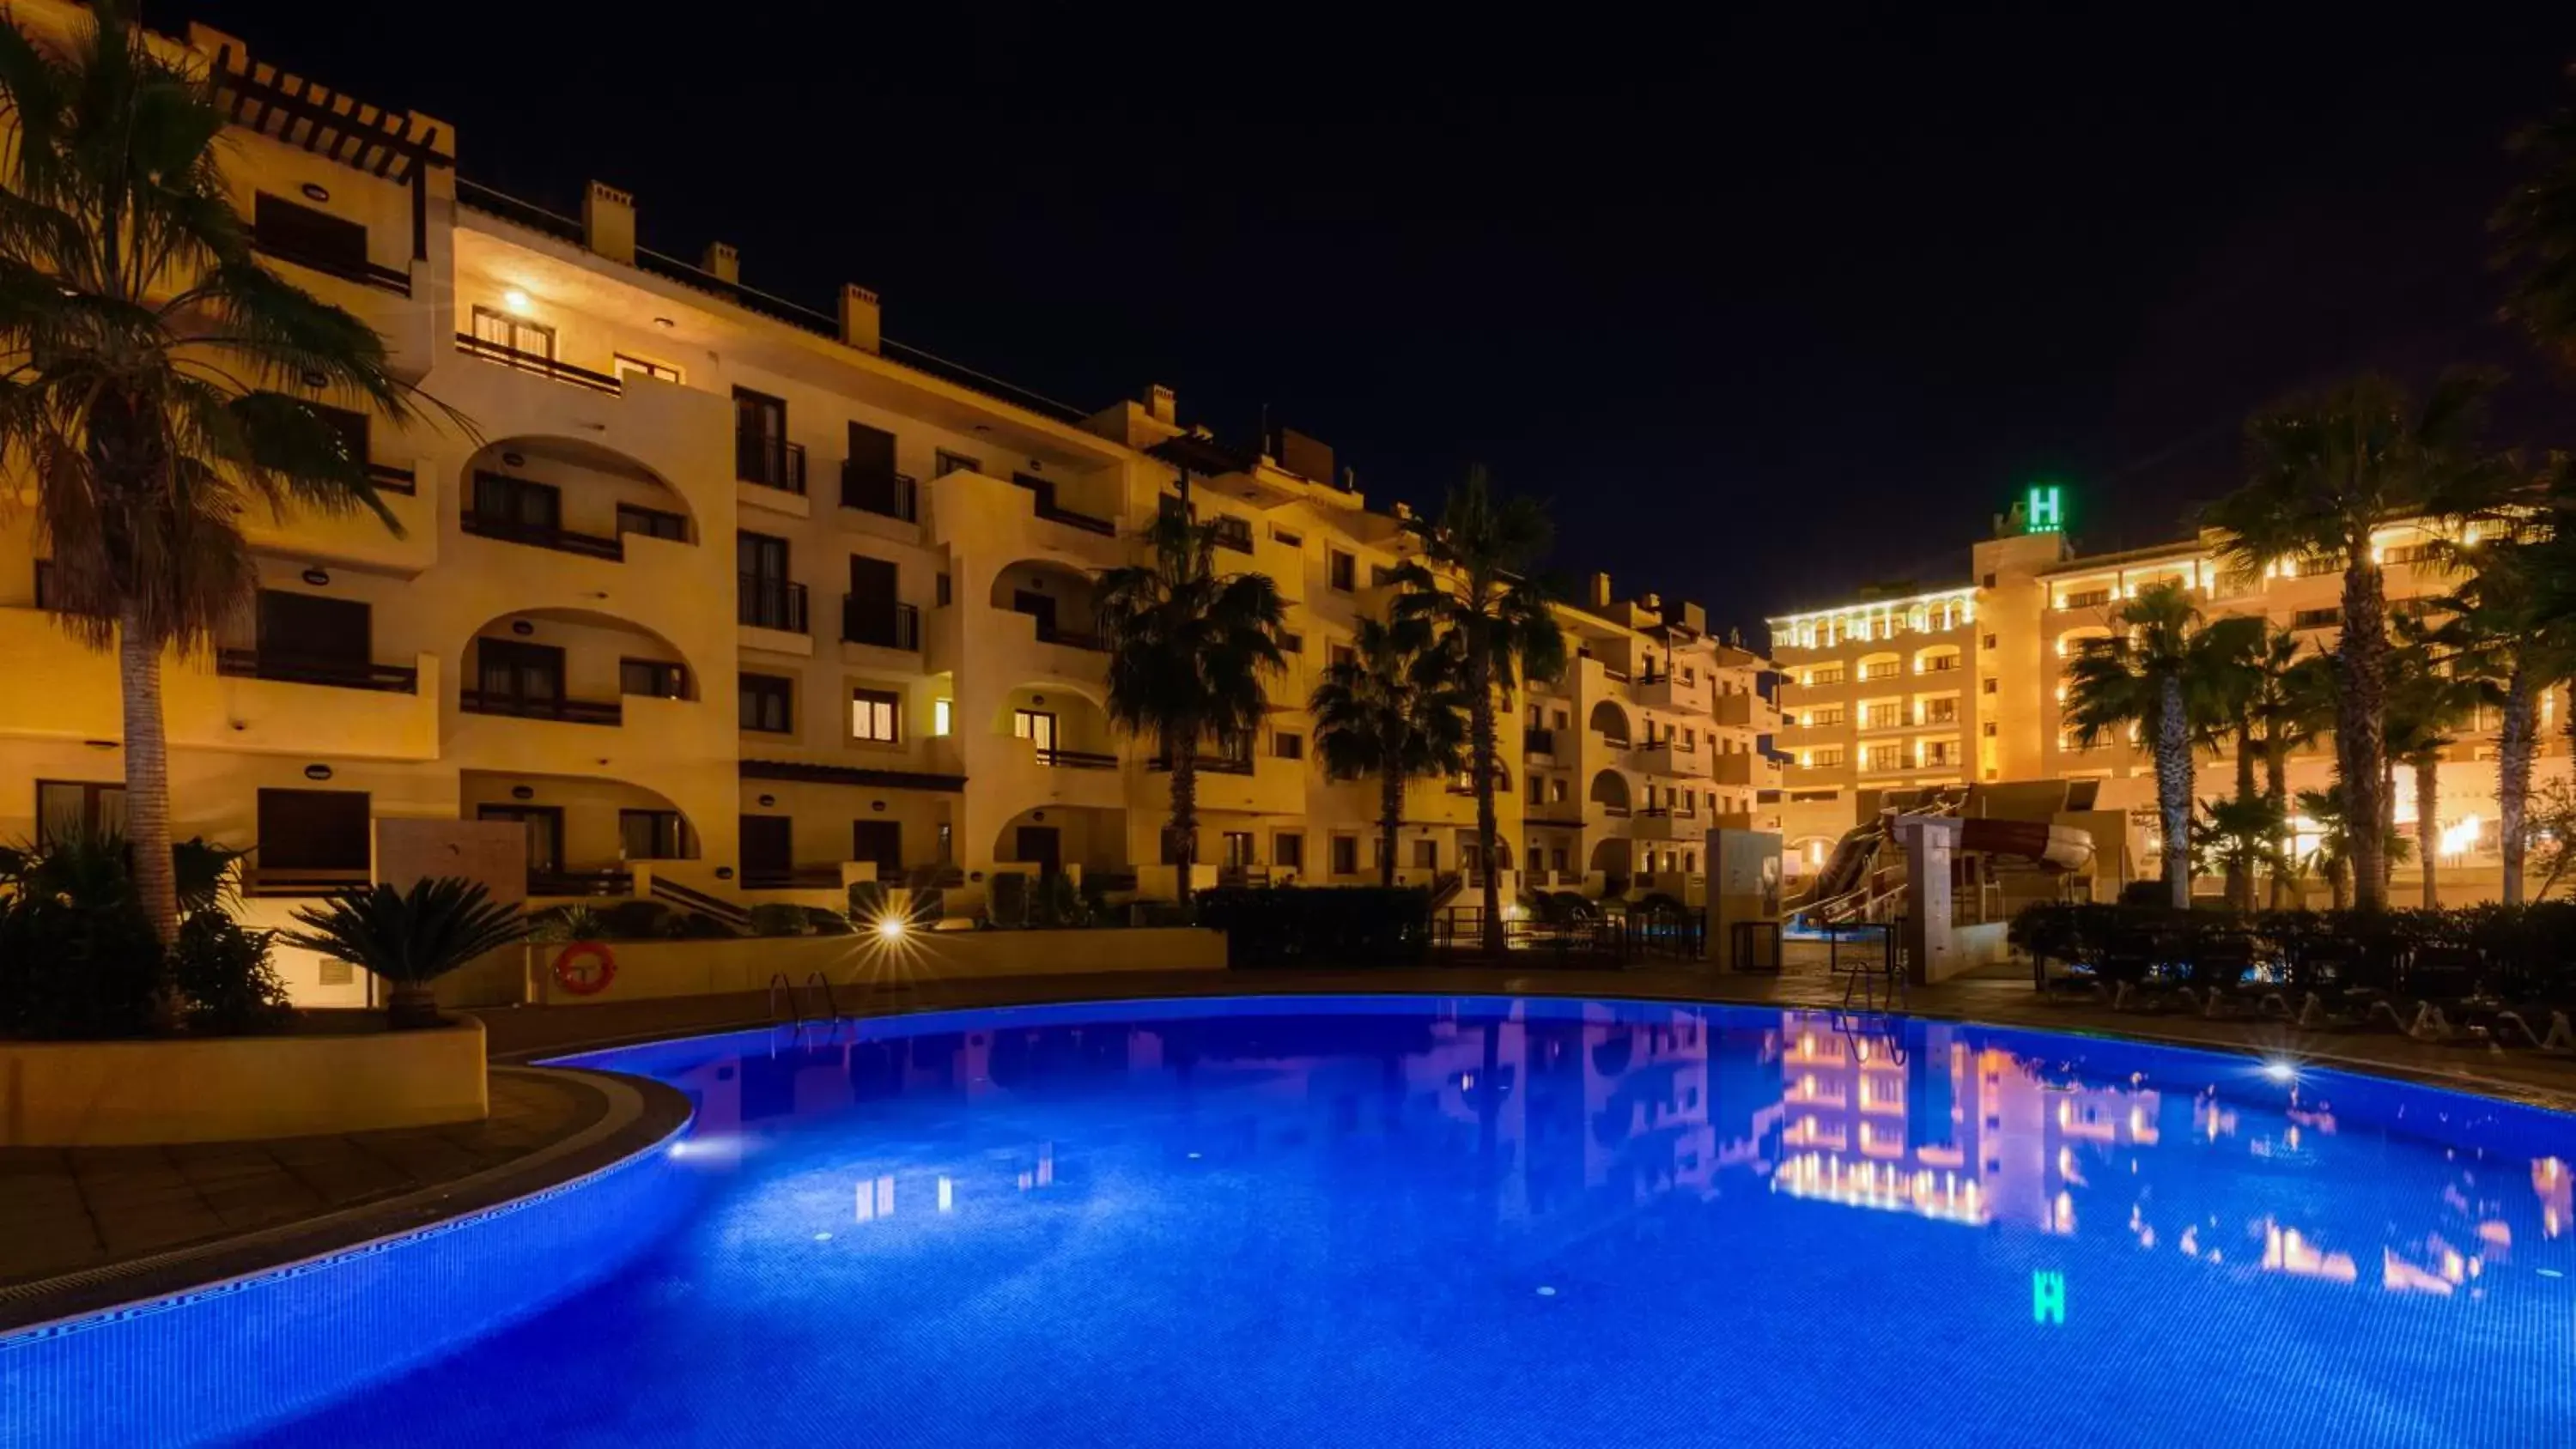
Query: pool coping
x=636 y=1113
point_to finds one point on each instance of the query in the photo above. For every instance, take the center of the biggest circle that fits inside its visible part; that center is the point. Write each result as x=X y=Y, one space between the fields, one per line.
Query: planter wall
x=226 y=1089
x=698 y=968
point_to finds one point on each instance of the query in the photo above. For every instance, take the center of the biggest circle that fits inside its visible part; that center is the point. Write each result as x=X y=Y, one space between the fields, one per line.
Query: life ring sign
x=585 y=968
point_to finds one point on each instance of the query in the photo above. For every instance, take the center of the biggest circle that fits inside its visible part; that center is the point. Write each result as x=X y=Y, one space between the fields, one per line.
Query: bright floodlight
x=890 y=927
x=2281 y=1071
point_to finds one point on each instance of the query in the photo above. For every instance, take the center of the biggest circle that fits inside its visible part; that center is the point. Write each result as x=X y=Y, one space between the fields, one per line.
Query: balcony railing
x=537 y=535
x=769 y=462
x=536 y=362
x=570 y=711
x=892 y=495
x=1083 y=521
x=1049 y=634
x=1654 y=812
x=1615 y=812
x=1539 y=741
x=348 y=269
x=791 y=877
x=389 y=479
x=1087 y=760
x=863 y=622
x=1208 y=765
x=1232 y=532
x=581 y=883
x=766 y=603
x=308 y=669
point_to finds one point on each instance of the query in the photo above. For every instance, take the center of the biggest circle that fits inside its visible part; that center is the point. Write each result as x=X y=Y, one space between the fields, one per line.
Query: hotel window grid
x=1882 y=717
x=1826 y=759
x=876 y=716
x=1287 y=746
x=1820 y=718
x=1940 y=711
x=1884 y=757
x=1827 y=676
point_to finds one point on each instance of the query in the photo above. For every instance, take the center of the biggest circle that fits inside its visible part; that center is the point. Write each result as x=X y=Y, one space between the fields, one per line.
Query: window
x=760 y=448
x=67 y=809
x=765 y=597
x=944 y=462
x=1341 y=570
x=299 y=233
x=1887 y=670
x=500 y=329
x=1883 y=757
x=1287 y=746
x=1558 y=720
x=1990 y=730
x=622 y=364
x=2088 y=599
x=1826 y=759
x=945 y=592
x=1989 y=641
x=769 y=704
x=1556 y=790
x=653 y=835
x=1346 y=855
x=1690 y=861
x=517 y=503
x=1288 y=850
x=1293 y=645
x=1818 y=718
x=875 y=715
x=880 y=843
x=651 y=522
x=1825 y=676
x=1426 y=854
x=1556 y=859
x=1283 y=536
x=1987 y=686
x=2315 y=618
x=943 y=716
x=652 y=677
x=1990 y=581
x=1882 y=716
x=1940 y=711
x=1940 y=663
x=1344 y=654
x=320 y=830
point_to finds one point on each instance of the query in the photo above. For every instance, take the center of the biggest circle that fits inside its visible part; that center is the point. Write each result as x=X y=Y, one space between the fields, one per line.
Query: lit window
x=941 y=712
x=873 y=715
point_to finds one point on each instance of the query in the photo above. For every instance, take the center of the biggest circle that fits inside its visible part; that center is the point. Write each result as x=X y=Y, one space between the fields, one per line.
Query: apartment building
x=725 y=599
x=1965 y=685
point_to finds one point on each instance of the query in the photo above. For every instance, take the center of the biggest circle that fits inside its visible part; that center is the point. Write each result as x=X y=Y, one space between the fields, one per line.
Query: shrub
x=225 y=973
x=1059 y=903
x=1007 y=899
x=77 y=955
x=1319 y=925
x=410 y=938
x=867 y=900
x=568 y=923
x=699 y=926
x=637 y=921
x=777 y=918
x=826 y=922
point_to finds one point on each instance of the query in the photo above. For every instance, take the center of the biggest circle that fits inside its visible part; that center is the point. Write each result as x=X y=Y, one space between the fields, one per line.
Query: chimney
x=860 y=317
x=608 y=222
x=723 y=263
x=1600 y=594
x=1652 y=603
x=1694 y=617
x=1161 y=405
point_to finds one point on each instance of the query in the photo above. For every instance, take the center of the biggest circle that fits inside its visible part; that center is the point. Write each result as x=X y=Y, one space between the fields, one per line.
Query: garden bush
x=225 y=972
x=639 y=921
x=77 y=955
x=777 y=918
x=2519 y=951
x=1007 y=899
x=1319 y=925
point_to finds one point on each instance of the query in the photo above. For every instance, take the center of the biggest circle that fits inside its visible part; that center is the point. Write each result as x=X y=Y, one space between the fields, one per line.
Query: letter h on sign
x=2048 y=1298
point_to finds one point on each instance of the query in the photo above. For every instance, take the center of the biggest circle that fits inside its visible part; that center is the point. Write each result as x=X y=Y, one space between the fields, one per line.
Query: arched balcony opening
x=569 y=495
x=1057 y=595
x=1881 y=666
x=1064 y=728
x=585 y=836
x=1610 y=792
x=1610 y=722
x=573 y=665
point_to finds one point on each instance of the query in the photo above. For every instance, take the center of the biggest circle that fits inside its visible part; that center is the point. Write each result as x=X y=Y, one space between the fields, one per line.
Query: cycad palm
x=145 y=352
x=2164 y=675
x=1479 y=595
x=1190 y=654
x=1396 y=711
x=2323 y=473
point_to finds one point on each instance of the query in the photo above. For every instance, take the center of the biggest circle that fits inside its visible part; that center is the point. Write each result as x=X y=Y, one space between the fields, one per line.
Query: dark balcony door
x=1037 y=726
x=870 y=482
x=872 y=600
x=1040 y=607
x=306 y=633
x=1239 y=851
x=518 y=503
x=759 y=437
x=313 y=830
x=880 y=841
x=545 y=827
x=515 y=675
x=768 y=847
x=307 y=235
x=1041 y=846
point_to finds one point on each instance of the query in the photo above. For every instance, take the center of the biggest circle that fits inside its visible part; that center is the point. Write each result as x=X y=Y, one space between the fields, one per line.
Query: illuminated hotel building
x=727 y=600
x=1963 y=685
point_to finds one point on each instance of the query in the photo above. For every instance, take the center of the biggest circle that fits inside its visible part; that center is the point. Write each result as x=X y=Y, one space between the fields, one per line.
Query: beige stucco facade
x=1856 y=691
x=727 y=596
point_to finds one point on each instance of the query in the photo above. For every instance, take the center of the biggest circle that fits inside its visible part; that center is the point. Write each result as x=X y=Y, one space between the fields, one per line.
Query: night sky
x=1770 y=304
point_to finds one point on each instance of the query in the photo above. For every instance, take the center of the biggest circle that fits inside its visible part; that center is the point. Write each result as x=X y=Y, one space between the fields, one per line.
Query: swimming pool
x=1486 y=1221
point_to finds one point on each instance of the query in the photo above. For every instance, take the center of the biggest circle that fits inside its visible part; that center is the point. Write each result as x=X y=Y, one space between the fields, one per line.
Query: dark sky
x=1770 y=301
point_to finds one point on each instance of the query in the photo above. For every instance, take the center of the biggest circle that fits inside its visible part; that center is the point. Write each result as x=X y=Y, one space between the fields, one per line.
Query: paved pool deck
x=90 y=1228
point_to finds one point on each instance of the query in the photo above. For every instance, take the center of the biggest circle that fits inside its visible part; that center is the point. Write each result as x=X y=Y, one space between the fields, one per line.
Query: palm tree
x=2324 y=472
x=2292 y=700
x=2162 y=675
x=1479 y=595
x=2232 y=682
x=410 y=938
x=1190 y=652
x=2509 y=630
x=2332 y=856
x=2425 y=703
x=148 y=368
x=2536 y=231
x=1395 y=709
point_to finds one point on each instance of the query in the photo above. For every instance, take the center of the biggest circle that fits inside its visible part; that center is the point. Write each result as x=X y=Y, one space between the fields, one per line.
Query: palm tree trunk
x=2513 y=776
x=147 y=780
x=2276 y=789
x=2361 y=661
x=1481 y=741
x=2339 y=884
x=2240 y=859
x=1185 y=815
x=2173 y=789
x=2428 y=798
x=1390 y=821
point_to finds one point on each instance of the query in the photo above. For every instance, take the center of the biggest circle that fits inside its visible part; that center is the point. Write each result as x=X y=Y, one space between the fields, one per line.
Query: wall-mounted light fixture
x=522 y=627
x=317 y=772
x=523 y=792
x=313 y=191
x=318 y=578
x=515 y=300
x=766 y=801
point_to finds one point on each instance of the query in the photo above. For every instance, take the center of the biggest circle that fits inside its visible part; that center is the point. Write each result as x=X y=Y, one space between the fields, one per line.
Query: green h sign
x=2043 y=512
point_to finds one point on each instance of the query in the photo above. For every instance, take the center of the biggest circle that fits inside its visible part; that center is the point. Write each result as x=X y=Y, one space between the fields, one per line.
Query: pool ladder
x=787 y=1002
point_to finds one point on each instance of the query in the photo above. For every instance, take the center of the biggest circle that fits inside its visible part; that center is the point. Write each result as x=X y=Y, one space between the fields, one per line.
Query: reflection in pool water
x=1489 y=1222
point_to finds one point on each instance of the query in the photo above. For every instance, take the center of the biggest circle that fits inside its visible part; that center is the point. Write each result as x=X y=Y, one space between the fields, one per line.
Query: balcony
x=609 y=884
x=888 y=495
x=289 y=668
x=1233 y=533
x=1093 y=760
x=537 y=535
x=1662 y=691
x=536 y=362
x=1748 y=711
x=521 y=706
x=1539 y=744
x=769 y=462
x=1207 y=765
x=1047 y=508
x=866 y=622
x=767 y=603
x=348 y=268
x=1050 y=634
x=1746 y=768
x=1884 y=719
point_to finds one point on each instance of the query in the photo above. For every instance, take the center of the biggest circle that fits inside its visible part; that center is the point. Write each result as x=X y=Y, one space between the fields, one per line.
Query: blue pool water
x=1492 y=1222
